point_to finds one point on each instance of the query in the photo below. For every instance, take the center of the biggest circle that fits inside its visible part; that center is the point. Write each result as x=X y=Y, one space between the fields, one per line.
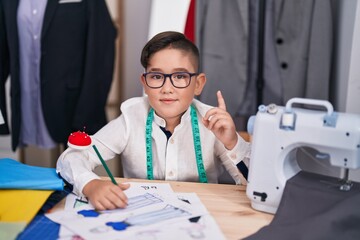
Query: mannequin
x=60 y=58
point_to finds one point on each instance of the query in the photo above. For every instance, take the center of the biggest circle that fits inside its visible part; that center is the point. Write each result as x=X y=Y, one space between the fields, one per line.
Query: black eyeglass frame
x=168 y=76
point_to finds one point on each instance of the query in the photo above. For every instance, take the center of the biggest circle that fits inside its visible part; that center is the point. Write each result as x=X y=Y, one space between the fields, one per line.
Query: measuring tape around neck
x=197 y=145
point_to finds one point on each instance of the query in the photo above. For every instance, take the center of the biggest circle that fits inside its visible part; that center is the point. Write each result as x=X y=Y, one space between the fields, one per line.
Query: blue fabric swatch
x=16 y=175
x=40 y=228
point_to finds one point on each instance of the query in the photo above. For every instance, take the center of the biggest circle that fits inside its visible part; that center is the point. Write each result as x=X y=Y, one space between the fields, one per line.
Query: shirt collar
x=161 y=122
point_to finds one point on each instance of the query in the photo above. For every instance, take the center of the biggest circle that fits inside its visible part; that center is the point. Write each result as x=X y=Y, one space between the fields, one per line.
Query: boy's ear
x=200 y=83
x=142 y=80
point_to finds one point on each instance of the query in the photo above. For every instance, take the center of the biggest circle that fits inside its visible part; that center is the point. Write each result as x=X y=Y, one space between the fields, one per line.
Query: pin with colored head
x=79 y=140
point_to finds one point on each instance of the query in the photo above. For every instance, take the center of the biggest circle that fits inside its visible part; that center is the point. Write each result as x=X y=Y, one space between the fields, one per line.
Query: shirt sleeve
x=77 y=166
x=238 y=156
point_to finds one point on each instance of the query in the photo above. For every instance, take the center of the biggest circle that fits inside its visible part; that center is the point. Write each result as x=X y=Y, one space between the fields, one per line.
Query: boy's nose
x=167 y=84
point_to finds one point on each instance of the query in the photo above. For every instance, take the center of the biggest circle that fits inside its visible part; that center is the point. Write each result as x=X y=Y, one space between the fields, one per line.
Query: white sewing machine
x=278 y=132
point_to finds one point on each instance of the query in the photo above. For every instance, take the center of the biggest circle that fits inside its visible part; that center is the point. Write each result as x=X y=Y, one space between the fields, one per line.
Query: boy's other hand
x=219 y=121
x=104 y=195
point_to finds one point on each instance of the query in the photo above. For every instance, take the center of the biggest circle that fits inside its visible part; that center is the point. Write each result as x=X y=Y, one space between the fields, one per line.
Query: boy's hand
x=219 y=121
x=105 y=195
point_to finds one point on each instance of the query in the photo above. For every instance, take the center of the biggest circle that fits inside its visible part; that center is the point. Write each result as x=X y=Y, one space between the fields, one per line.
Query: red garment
x=190 y=22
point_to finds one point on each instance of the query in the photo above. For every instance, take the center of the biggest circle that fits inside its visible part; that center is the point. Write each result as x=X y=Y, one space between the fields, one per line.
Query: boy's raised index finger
x=221 y=100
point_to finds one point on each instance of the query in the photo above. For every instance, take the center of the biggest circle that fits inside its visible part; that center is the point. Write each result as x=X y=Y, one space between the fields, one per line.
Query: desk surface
x=228 y=204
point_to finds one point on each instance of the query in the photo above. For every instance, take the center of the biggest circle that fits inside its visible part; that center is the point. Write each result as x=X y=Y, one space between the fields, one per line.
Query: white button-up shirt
x=173 y=159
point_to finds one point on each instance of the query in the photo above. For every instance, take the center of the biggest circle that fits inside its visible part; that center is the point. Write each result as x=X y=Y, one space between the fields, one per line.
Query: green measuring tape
x=197 y=145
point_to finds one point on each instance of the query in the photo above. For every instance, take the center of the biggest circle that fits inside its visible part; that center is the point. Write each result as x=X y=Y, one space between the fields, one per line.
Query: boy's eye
x=156 y=76
x=179 y=76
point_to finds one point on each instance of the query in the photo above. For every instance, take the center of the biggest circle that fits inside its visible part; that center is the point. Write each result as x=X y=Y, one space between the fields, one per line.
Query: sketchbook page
x=192 y=199
x=202 y=227
x=199 y=227
x=146 y=211
x=136 y=188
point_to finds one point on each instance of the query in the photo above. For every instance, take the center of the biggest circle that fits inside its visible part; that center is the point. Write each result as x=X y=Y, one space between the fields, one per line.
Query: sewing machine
x=277 y=134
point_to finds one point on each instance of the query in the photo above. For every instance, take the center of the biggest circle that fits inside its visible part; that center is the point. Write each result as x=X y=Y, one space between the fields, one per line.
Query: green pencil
x=105 y=166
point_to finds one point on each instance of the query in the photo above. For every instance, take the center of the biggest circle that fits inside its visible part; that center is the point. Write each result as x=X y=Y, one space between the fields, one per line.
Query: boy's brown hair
x=169 y=39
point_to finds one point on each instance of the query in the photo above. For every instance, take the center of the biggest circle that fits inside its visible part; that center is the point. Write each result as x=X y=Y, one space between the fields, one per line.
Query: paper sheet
x=155 y=206
x=136 y=188
x=143 y=212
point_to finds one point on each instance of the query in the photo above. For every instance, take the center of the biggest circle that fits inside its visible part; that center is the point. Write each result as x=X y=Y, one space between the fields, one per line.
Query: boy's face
x=168 y=101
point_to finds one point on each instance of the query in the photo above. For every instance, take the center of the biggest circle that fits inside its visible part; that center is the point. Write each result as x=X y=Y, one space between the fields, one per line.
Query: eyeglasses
x=177 y=79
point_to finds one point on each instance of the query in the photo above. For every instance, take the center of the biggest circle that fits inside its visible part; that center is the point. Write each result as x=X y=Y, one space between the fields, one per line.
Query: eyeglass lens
x=178 y=79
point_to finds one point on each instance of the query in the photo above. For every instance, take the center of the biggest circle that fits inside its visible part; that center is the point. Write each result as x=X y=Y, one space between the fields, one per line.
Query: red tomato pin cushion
x=79 y=140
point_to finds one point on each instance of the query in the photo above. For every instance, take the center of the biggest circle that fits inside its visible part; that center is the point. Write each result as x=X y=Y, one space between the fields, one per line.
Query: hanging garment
x=297 y=59
x=76 y=69
x=221 y=35
x=189 y=30
x=297 y=50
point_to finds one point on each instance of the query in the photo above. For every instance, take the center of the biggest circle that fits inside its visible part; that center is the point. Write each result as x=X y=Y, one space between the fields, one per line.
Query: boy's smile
x=168 y=101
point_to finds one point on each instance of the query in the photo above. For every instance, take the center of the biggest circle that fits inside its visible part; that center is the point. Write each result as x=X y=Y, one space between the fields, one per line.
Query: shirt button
x=233 y=156
x=35 y=37
x=172 y=141
x=34 y=12
x=171 y=174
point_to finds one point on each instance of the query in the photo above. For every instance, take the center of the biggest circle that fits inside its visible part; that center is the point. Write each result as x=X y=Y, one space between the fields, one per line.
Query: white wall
x=346 y=53
x=135 y=35
x=168 y=15
x=353 y=86
x=347 y=87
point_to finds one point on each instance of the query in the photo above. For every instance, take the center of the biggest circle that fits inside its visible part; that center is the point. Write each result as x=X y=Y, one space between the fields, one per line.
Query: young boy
x=165 y=135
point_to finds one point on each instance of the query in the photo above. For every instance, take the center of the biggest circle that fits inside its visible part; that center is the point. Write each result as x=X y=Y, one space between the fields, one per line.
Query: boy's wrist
x=230 y=146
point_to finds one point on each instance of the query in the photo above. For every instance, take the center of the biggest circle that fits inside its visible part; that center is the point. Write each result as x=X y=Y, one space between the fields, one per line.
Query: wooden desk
x=228 y=204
